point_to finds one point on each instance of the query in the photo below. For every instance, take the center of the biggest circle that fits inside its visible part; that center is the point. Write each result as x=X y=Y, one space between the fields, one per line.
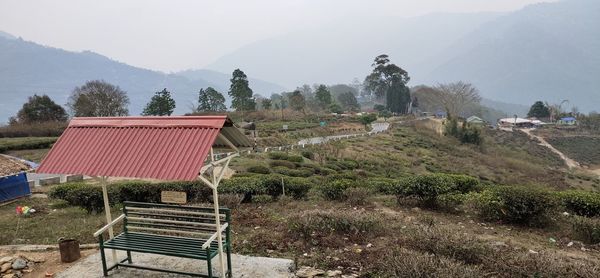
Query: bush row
x=90 y=198
x=26 y=143
x=273 y=185
x=428 y=189
x=286 y=156
x=47 y=129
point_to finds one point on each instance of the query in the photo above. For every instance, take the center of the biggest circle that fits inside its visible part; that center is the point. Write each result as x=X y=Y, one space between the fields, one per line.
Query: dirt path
x=570 y=162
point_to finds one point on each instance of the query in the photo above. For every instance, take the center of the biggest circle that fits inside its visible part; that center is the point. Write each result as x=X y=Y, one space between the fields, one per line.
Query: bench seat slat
x=171 y=241
x=172 y=211
x=159 y=245
x=208 y=232
x=168 y=221
x=178 y=217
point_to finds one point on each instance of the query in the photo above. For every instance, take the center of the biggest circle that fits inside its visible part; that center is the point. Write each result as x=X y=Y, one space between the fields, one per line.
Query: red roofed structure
x=165 y=148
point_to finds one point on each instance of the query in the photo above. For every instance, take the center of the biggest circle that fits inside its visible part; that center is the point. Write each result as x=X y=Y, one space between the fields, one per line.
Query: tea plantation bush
x=300 y=172
x=308 y=154
x=266 y=184
x=90 y=198
x=295 y=158
x=278 y=156
x=334 y=189
x=382 y=185
x=427 y=188
x=259 y=169
x=515 y=204
x=581 y=202
x=282 y=163
x=25 y=143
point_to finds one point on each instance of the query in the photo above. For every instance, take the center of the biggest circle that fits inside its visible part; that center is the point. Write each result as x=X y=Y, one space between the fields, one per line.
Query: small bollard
x=69 y=250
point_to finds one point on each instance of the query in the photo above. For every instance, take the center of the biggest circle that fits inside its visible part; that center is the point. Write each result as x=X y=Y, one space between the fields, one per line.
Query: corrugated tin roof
x=165 y=148
x=514 y=120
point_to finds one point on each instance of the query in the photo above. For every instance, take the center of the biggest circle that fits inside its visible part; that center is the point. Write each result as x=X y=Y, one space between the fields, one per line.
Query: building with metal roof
x=165 y=148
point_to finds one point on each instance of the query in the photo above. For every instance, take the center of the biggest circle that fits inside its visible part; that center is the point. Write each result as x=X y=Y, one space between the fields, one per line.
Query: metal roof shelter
x=165 y=148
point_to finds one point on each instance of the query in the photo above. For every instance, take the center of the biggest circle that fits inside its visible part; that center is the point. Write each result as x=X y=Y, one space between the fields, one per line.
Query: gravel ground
x=243 y=266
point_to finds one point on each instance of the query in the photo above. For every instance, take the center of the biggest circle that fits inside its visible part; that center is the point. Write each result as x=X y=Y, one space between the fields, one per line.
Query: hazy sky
x=171 y=35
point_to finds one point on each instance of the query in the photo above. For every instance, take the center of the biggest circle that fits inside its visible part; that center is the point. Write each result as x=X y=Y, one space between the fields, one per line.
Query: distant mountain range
x=27 y=68
x=547 y=51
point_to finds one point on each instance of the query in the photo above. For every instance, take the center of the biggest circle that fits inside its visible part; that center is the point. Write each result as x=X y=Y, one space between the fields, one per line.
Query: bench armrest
x=214 y=236
x=103 y=229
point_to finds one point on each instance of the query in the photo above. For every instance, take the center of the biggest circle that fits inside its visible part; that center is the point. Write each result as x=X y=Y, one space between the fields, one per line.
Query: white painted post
x=111 y=233
x=217 y=216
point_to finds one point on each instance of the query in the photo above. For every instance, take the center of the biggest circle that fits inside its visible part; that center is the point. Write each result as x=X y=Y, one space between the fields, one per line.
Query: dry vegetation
x=340 y=212
x=504 y=157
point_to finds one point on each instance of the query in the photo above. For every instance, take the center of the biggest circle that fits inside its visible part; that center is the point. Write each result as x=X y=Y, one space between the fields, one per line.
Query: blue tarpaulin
x=12 y=187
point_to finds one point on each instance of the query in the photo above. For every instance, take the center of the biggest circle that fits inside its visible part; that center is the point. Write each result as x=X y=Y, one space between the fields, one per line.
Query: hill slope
x=27 y=68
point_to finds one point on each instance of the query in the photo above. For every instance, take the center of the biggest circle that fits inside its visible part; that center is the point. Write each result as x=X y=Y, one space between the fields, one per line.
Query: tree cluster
x=39 y=109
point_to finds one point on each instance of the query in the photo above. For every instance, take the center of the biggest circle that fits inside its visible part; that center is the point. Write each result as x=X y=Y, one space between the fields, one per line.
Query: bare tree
x=98 y=98
x=453 y=97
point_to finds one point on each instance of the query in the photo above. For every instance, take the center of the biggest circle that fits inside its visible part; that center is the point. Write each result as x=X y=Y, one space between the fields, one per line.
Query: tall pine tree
x=161 y=104
x=240 y=92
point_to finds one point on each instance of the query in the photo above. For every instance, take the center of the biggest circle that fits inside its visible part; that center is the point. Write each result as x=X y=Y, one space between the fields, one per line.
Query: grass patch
x=49 y=223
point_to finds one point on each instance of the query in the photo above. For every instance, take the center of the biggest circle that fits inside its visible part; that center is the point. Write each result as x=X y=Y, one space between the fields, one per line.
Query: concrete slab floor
x=243 y=266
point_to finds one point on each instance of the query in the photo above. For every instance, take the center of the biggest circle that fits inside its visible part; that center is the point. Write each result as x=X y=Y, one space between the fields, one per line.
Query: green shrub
x=301 y=172
x=90 y=196
x=278 y=155
x=343 y=175
x=61 y=191
x=83 y=195
x=45 y=129
x=581 y=202
x=586 y=229
x=382 y=185
x=282 y=163
x=297 y=187
x=464 y=183
x=326 y=171
x=308 y=154
x=426 y=188
x=295 y=158
x=334 y=189
x=270 y=185
x=348 y=164
x=333 y=166
x=262 y=199
x=515 y=204
x=246 y=186
x=26 y=143
x=259 y=169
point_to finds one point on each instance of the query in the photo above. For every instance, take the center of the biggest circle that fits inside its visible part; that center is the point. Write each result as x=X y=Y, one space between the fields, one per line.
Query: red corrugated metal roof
x=165 y=148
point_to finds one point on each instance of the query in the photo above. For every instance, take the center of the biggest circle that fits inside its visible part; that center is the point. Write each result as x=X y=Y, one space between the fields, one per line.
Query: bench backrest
x=174 y=220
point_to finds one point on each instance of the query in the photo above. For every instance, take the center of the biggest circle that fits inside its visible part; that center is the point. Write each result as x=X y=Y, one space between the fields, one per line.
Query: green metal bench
x=171 y=230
